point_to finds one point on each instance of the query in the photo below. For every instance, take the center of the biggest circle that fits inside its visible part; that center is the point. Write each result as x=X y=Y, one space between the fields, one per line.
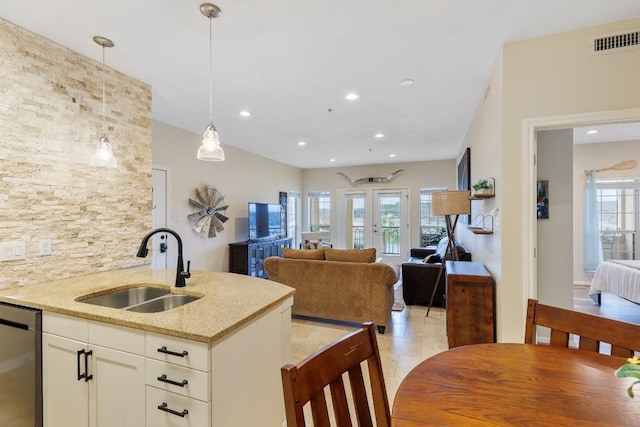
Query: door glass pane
x=389 y=224
x=355 y=221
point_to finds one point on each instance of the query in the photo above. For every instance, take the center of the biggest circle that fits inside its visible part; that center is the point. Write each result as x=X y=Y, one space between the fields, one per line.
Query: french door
x=374 y=218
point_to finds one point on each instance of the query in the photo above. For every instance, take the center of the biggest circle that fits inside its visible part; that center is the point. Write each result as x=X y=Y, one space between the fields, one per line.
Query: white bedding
x=619 y=277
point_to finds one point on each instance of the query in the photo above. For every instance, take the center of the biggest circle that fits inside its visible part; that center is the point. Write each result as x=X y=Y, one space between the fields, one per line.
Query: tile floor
x=411 y=338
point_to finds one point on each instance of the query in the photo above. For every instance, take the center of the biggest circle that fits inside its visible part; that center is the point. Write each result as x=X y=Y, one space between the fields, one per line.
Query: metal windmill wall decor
x=207 y=219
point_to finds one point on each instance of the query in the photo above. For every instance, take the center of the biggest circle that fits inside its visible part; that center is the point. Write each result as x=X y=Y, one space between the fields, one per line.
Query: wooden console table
x=470 y=304
x=248 y=257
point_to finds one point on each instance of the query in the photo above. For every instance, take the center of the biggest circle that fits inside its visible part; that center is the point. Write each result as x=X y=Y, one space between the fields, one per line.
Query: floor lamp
x=450 y=204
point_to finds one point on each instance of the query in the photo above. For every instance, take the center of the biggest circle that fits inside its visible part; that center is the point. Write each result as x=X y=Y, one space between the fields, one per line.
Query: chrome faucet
x=181 y=275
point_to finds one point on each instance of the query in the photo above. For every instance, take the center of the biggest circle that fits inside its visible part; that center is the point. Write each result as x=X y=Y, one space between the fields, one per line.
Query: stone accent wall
x=50 y=122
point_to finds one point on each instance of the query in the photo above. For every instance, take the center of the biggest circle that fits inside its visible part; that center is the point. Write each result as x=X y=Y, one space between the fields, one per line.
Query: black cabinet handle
x=84 y=375
x=164 y=350
x=80 y=376
x=87 y=377
x=164 y=379
x=164 y=408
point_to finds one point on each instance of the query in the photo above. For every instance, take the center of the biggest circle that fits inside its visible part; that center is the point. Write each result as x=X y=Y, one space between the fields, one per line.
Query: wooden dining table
x=515 y=385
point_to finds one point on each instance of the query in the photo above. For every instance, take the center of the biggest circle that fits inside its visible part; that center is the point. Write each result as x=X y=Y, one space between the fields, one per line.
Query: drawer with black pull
x=179 y=351
x=177 y=379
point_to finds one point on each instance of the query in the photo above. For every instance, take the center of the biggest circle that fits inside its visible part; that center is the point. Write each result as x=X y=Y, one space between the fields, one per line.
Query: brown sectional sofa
x=339 y=284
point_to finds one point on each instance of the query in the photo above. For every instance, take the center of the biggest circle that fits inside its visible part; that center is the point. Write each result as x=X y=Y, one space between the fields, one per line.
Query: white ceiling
x=291 y=62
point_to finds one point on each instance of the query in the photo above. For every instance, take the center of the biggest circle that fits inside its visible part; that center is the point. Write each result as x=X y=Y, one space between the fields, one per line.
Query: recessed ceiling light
x=245 y=113
x=592 y=132
x=332 y=160
x=379 y=135
x=352 y=96
x=406 y=82
x=392 y=155
x=301 y=143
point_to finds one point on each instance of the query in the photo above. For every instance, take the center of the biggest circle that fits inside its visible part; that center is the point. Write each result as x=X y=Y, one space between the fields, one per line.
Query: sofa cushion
x=350 y=255
x=303 y=253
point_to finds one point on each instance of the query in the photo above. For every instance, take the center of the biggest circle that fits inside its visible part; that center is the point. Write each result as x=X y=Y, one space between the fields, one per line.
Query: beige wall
x=244 y=177
x=50 y=122
x=543 y=77
x=417 y=175
x=482 y=137
x=595 y=156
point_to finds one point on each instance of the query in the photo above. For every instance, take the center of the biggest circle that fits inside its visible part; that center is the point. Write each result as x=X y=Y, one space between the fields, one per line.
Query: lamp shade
x=451 y=203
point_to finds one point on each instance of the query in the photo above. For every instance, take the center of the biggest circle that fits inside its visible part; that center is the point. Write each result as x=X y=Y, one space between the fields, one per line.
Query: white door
x=117 y=391
x=375 y=218
x=65 y=397
x=159 y=242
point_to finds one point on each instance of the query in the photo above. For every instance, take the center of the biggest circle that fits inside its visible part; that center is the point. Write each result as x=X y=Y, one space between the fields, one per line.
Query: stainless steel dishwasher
x=20 y=366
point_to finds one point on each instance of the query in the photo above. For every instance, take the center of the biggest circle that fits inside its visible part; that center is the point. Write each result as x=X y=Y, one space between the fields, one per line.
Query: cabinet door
x=117 y=391
x=66 y=399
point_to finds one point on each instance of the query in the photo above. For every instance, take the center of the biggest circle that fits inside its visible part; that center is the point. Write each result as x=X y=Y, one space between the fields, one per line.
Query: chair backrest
x=307 y=381
x=593 y=331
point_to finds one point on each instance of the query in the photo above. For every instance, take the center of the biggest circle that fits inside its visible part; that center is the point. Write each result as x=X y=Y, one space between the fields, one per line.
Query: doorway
x=531 y=127
x=160 y=180
x=374 y=218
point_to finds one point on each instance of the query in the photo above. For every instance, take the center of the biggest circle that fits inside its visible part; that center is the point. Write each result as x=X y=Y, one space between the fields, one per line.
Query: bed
x=619 y=277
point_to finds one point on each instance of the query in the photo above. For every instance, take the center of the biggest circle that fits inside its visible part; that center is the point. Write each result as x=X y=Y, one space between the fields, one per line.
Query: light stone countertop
x=228 y=301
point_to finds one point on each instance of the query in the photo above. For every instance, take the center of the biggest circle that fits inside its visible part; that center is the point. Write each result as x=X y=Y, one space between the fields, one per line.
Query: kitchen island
x=214 y=361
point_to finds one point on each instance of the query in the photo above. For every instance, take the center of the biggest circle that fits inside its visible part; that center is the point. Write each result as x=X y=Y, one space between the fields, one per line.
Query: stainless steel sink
x=163 y=303
x=141 y=299
x=124 y=298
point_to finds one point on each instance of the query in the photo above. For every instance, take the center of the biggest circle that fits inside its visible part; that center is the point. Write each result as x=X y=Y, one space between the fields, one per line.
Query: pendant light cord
x=210 y=74
x=103 y=95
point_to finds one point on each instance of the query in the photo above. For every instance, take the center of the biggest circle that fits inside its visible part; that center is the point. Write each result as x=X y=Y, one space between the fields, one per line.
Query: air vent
x=609 y=43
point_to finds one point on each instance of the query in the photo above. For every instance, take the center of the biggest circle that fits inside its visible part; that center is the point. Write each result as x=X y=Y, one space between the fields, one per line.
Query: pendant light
x=210 y=149
x=103 y=157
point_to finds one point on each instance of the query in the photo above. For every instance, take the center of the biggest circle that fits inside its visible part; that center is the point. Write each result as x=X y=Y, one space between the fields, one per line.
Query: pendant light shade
x=210 y=149
x=103 y=157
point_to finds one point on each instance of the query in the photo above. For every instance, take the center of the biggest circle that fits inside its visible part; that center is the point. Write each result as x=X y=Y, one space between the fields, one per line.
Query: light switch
x=12 y=251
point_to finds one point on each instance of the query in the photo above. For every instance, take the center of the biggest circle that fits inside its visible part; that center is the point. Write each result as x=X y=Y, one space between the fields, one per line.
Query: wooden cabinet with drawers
x=470 y=304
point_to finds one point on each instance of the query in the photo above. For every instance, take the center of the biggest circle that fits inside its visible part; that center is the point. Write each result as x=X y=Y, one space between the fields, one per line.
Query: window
x=320 y=211
x=432 y=227
x=619 y=215
x=293 y=216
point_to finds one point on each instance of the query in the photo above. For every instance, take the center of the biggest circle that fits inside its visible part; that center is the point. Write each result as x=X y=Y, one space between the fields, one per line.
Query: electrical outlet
x=45 y=247
x=11 y=251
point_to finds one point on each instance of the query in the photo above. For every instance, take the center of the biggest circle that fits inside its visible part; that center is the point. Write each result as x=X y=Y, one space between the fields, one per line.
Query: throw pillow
x=433 y=259
x=350 y=255
x=311 y=244
x=303 y=253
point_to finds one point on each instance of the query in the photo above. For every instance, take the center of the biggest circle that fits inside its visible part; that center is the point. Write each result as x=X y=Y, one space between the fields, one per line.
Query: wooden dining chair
x=306 y=383
x=593 y=331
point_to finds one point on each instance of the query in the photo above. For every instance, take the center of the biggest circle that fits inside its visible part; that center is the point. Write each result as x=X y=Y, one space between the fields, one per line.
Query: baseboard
x=581 y=283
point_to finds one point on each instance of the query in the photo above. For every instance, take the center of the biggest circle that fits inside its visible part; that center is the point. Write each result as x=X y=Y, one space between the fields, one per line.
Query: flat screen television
x=264 y=221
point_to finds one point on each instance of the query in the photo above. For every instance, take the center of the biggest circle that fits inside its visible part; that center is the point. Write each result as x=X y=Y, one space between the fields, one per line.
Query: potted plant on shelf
x=483 y=186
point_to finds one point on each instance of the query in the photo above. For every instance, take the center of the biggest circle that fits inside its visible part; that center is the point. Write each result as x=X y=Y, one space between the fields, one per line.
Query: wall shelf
x=484 y=224
x=480 y=196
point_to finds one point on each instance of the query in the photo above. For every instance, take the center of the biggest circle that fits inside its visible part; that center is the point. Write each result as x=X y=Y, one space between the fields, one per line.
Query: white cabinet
x=102 y=375
x=86 y=383
x=178 y=378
